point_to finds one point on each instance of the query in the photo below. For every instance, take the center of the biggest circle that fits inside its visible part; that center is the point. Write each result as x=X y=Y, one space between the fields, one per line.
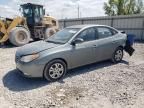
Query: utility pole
x=78 y=11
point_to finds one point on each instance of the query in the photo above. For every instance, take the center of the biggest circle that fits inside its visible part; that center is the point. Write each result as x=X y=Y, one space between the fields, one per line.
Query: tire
x=49 y=32
x=19 y=36
x=117 y=55
x=60 y=70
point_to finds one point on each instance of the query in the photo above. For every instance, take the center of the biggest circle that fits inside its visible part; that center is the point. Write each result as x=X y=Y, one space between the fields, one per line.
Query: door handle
x=94 y=46
x=114 y=41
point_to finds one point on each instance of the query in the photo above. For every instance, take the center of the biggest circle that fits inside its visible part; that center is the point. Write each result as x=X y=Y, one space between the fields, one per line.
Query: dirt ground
x=100 y=85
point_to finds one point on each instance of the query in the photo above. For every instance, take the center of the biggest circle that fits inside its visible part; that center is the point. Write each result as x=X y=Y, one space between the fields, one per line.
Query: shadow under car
x=14 y=81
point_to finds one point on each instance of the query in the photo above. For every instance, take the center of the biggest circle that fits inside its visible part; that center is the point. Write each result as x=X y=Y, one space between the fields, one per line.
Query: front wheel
x=55 y=70
x=19 y=36
x=118 y=55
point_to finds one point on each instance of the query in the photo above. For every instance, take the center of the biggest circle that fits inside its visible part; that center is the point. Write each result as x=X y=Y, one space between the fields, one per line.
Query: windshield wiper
x=54 y=42
x=50 y=41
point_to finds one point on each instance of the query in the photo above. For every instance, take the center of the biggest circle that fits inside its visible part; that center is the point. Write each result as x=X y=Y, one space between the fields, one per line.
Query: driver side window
x=88 y=34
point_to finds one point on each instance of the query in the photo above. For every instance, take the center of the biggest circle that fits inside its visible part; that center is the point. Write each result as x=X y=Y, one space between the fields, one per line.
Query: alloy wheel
x=56 y=70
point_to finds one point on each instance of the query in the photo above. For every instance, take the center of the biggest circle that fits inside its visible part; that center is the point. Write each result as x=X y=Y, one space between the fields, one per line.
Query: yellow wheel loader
x=33 y=25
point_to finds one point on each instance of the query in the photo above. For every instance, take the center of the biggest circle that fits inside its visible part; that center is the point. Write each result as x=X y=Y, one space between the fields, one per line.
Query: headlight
x=29 y=58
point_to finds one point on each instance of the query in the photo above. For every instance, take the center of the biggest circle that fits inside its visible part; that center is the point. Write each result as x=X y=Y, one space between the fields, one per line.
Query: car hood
x=35 y=47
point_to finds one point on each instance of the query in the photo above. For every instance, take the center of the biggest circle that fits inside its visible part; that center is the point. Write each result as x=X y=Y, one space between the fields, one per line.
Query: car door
x=83 y=53
x=106 y=43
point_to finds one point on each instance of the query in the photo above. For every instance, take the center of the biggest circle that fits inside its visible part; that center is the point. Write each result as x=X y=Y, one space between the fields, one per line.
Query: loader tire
x=49 y=32
x=19 y=36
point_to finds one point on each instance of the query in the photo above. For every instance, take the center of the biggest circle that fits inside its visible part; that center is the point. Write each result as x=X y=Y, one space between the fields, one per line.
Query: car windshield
x=63 y=36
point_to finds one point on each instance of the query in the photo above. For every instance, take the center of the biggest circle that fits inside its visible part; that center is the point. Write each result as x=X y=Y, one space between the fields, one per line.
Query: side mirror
x=20 y=9
x=78 y=40
x=43 y=11
x=123 y=32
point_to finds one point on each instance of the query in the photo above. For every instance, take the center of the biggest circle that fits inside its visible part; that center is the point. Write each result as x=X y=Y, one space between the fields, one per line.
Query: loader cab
x=33 y=13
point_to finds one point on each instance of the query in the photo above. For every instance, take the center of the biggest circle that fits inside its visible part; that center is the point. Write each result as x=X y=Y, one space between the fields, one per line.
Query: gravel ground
x=100 y=85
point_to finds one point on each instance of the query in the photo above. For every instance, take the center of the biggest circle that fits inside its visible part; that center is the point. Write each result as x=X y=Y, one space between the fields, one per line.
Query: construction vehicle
x=32 y=25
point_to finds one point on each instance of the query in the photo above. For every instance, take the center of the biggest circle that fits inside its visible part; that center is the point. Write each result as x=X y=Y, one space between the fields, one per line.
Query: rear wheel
x=49 y=32
x=19 y=36
x=55 y=70
x=118 y=55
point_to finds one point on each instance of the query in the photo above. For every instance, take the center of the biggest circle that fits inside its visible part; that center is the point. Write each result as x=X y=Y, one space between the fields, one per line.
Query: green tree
x=123 y=7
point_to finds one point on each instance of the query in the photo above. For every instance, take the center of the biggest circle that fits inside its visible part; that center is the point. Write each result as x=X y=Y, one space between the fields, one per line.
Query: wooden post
x=112 y=22
x=64 y=23
x=142 y=31
x=82 y=21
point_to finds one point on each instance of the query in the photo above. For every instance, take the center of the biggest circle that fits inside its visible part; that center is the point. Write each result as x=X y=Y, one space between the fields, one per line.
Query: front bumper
x=22 y=74
x=30 y=69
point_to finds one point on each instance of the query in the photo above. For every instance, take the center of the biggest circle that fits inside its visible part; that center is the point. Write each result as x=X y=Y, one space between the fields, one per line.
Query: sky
x=59 y=9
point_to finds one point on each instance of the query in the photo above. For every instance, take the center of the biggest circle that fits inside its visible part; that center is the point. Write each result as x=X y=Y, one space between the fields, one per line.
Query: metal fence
x=132 y=24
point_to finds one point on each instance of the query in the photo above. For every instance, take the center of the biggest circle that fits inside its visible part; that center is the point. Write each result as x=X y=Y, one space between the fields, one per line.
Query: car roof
x=31 y=4
x=85 y=26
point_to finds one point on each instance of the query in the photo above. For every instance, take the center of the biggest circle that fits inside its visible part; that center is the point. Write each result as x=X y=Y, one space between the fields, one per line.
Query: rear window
x=104 y=32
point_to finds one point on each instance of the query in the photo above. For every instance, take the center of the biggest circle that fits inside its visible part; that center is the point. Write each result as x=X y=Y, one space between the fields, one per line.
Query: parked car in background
x=70 y=48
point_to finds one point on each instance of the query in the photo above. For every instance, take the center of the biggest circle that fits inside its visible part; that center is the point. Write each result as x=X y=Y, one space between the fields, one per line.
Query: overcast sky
x=57 y=8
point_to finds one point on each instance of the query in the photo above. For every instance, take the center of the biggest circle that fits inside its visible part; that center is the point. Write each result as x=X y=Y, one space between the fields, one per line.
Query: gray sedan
x=70 y=48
